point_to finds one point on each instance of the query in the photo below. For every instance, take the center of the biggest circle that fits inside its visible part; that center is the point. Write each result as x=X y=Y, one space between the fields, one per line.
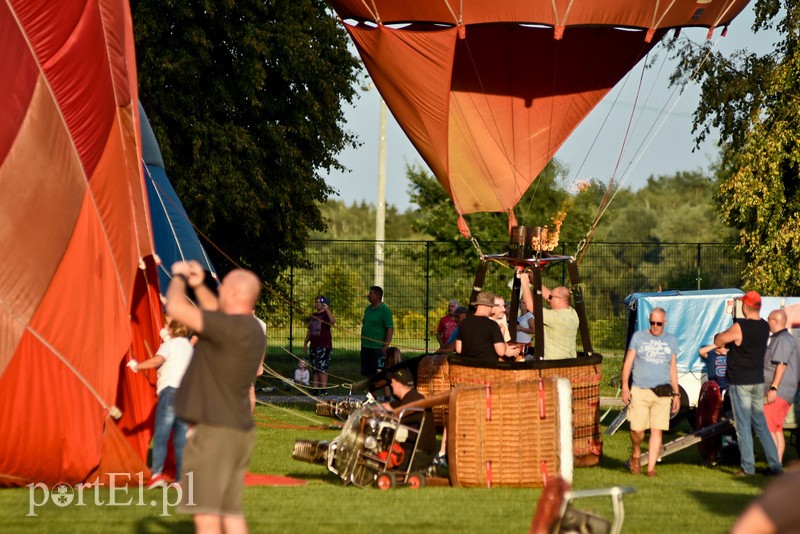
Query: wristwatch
x=676 y=394
x=773 y=388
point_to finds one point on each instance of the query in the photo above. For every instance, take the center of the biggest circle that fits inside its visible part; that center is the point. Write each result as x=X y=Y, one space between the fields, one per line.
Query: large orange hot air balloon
x=488 y=90
x=78 y=288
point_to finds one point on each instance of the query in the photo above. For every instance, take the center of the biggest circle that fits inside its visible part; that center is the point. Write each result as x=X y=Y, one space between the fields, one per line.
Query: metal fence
x=420 y=277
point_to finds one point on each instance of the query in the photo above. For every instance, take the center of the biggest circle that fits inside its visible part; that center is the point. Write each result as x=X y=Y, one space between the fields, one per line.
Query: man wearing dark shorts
x=319 y=335
x=377 y=329
x=214 y=393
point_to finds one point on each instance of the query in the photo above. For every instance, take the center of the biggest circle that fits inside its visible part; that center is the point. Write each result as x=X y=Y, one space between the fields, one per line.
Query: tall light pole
x=380 y=211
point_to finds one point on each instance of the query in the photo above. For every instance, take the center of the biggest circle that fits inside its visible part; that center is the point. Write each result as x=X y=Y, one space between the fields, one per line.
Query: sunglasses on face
x=656 y=323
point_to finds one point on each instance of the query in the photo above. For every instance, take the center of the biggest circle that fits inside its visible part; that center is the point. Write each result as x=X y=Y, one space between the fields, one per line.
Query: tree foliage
x=357 y=221
x=678 y=208
x=246 y=100
x=753 y=101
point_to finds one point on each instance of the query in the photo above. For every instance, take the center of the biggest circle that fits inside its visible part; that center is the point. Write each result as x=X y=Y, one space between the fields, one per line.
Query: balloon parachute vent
x=313 y=452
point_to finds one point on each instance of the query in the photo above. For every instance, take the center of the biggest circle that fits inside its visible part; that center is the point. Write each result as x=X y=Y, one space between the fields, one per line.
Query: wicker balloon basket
x=584 y=374
x=510 y=434
x=433 y=377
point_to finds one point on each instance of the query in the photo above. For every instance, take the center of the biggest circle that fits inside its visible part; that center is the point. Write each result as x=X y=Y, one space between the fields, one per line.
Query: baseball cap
x=403 y=376
x=484 y=298
x=752 y=299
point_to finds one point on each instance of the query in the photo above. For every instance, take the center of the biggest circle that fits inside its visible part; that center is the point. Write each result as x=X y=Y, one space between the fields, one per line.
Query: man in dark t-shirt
x=747 y=343
x=402 y=384
x=214 y=392
x=479 y=336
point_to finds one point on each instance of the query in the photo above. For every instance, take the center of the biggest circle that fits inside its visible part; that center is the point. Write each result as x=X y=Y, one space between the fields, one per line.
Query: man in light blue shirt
x=651 y=359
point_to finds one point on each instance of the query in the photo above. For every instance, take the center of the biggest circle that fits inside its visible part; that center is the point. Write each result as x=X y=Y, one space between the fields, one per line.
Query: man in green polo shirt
x=377 y=329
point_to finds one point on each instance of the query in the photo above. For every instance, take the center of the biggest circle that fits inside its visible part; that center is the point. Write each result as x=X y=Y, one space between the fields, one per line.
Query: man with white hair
x=214 y=393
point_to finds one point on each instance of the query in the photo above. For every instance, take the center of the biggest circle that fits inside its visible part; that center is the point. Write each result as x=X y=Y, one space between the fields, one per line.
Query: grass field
x=686 y=496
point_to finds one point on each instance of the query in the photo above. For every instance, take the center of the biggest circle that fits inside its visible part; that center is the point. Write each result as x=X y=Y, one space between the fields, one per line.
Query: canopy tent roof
x=488 y=91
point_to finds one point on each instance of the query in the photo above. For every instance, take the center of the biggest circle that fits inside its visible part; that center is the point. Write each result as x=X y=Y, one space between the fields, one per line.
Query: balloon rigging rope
x=600 y=131
x=273 y=291
x=612 y=191
x=345 y=382
x=68 y=364
x=608 y=194
x=661 y=120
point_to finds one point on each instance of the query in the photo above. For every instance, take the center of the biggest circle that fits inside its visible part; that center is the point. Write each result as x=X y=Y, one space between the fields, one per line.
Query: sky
x=658 y=143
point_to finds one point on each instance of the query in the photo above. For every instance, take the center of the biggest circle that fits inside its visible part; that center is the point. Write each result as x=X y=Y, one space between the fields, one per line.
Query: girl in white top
x=171 y=360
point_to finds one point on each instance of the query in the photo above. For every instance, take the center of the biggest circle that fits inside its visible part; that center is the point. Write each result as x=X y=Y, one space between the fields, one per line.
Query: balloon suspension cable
x=612 y=191
x=456 y=18
x=477 y=246
x=270 y=289
x=646 y=142
x=161 y=196
x=68 y=364
x=662 y=118
x=608 y=194
x=318 y=424
x=272 y=372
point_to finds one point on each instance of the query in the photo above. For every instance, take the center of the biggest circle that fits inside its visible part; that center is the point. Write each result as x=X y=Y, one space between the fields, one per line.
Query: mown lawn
x=686 y=497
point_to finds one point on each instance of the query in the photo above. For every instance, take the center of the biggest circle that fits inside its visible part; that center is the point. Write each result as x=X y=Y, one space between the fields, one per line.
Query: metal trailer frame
x=354 y=454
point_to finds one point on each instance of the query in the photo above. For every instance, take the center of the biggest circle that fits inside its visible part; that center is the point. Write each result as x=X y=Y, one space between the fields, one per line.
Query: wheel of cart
x=416 y=480
x=385 y=481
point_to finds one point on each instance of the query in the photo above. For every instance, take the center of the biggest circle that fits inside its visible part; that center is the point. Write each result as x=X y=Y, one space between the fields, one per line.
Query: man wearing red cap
x=748 y=344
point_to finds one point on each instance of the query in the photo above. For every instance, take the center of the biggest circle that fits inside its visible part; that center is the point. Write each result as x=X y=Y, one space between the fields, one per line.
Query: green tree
x=752 y=100
x=676 y=208
x=436 y=215
x=246 y=100
x=357 y=221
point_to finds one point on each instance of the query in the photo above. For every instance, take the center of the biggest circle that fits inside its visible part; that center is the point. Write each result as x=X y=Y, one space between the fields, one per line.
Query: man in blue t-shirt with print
x=651 y=359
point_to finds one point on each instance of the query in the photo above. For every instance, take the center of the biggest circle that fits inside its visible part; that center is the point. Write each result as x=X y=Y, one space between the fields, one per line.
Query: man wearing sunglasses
x=651 y=360
x=560 y=321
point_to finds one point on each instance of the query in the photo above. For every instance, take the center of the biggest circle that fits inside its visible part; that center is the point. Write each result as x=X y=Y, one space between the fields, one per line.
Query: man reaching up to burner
x=560 y=321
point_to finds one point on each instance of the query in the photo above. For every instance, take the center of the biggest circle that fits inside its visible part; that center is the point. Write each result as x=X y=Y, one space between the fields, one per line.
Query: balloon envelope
x=78 y=288
x=487 y=91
